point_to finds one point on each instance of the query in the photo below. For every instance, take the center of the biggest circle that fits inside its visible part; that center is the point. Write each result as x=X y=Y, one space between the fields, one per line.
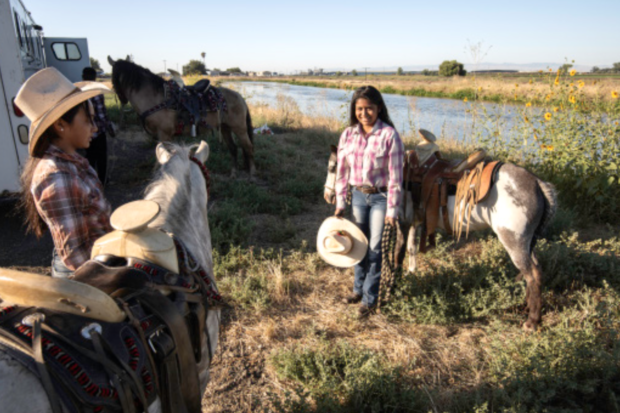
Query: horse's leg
x=247 y=147
x=412 y=246
x=518 y=247
x=227 y=136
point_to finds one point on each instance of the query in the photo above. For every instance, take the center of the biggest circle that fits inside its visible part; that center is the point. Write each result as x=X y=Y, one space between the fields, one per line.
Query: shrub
x=451 y=68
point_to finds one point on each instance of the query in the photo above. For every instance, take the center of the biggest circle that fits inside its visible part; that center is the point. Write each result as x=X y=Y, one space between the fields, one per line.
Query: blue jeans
x=59 y=269
x=369 y=215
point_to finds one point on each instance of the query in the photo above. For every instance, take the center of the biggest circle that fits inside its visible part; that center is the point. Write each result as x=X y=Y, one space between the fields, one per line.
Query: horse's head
x=128 y=77
x=330 y=183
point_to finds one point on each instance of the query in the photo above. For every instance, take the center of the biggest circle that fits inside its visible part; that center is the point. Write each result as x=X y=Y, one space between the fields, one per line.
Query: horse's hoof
x=530 y=327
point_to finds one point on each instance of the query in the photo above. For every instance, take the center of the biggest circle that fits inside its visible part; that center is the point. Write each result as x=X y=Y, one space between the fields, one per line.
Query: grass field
x=450 y=340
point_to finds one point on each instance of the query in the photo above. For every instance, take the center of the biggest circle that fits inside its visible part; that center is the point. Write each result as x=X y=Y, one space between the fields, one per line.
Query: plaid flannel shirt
x=101 y=115
x=69 y=198
x=375 y=159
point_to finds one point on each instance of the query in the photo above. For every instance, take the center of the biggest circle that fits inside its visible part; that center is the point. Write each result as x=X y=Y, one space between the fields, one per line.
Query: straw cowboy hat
x=427 y=147
x=341 y=243
x=47 y=95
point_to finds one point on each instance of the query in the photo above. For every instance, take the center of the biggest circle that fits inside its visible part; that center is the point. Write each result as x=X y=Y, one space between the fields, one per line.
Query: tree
x=194 y=67
x=399 y=71
x=234 y=70
x=338 y=73
x=451 y=68
x=616 y=67
x=354 y=72
x=565 y=68
x=595 y=69
x=94 y=63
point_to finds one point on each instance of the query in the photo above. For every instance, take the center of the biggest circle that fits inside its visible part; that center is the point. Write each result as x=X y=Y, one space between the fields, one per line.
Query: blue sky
x=285 y=36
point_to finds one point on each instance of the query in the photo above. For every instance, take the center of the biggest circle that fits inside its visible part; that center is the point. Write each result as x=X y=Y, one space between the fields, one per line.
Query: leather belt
x=371 y=189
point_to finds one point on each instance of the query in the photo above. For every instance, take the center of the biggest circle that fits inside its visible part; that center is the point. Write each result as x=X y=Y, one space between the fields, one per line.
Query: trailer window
x=66 y=51
x=18 y=28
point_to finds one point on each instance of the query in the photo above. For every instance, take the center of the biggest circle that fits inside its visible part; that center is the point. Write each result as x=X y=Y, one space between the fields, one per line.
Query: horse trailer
x=24 y=51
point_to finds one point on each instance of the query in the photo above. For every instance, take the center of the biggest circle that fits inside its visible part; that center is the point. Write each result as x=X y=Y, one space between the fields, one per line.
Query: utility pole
x=164 y=66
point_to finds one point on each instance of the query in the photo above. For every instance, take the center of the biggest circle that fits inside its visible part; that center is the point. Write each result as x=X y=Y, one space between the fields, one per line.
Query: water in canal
x=446 y=118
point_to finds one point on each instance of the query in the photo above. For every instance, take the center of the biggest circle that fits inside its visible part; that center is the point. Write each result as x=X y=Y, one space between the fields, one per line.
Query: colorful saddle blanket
x=196 y=101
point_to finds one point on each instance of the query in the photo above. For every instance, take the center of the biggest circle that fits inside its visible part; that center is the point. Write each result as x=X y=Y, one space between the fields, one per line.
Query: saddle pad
x=80 y=379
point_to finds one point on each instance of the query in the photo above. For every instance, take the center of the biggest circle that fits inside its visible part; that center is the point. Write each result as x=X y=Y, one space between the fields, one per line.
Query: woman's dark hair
x=34 y=222
x=374 y=96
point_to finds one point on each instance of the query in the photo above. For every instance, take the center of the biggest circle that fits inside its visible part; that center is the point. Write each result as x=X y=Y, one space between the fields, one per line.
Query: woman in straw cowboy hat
x=370 y=160
x=60 y=189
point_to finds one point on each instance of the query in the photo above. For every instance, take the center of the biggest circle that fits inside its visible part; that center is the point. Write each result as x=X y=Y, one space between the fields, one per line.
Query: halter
x=204 y=170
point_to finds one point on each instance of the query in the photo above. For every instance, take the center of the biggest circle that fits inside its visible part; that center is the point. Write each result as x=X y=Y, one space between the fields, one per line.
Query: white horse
x=181 y=191
x=518 y=208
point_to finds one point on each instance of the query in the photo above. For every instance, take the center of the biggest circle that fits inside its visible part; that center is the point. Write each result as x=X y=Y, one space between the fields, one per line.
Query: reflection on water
x=446 y=118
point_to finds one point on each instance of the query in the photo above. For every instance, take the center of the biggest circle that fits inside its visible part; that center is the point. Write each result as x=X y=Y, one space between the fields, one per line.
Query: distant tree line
x=614 y=69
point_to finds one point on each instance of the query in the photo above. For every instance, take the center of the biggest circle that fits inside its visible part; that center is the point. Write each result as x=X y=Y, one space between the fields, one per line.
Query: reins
x=205 y=172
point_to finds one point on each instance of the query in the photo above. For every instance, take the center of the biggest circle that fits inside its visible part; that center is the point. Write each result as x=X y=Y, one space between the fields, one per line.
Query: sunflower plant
x=567 y=139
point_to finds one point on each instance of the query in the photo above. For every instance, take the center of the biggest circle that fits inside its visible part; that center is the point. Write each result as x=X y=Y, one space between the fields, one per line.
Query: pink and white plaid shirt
x=69 y=198
x=375 y=159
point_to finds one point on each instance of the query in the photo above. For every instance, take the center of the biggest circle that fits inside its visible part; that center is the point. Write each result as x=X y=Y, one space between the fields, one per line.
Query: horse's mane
x=127 y=75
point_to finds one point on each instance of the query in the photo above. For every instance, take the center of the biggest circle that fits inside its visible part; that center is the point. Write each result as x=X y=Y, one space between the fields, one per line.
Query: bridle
x=204 y=170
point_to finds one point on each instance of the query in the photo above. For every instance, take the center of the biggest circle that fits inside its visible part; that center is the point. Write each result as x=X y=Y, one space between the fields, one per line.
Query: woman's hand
x=339 y=212
x=391 y=221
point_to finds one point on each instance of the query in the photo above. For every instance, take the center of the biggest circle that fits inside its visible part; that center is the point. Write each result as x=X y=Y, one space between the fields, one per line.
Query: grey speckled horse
x=518 y=208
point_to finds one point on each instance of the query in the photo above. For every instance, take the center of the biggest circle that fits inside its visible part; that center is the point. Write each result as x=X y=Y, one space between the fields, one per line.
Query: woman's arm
x=61 y=200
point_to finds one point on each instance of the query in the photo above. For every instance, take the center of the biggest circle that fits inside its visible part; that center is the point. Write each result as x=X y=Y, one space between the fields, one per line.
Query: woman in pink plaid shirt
x=370 y=160
x=60 y=190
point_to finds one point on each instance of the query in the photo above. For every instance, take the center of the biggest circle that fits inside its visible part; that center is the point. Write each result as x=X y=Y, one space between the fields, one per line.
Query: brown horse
x=146 y=92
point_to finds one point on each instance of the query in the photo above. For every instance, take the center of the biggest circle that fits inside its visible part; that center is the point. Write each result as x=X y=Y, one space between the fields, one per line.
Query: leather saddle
x=433 y=181
x=199 y=87
x=119 y=319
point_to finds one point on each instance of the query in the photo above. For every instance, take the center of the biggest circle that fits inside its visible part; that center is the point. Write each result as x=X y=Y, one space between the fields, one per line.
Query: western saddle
x=128 y=317
x=431 y=179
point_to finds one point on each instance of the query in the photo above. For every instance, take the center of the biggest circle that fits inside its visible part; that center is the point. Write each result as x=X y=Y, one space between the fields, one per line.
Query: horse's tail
x=550 y=207
x=248 y=123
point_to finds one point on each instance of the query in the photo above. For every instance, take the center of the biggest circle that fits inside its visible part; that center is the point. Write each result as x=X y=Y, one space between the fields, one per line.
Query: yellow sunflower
x=573 y=72
x=528 y=104
x=581 y=84
x=547 y=116
x=465 y=100
x=555 y=109
x=614 y=94
x=572 y=99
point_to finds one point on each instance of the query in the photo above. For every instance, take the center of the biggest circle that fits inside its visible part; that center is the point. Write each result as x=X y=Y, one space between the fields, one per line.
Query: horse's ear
x=333 y=148
x=128 y=58
x=202 y=153
x=111 y=61
x=162 y=153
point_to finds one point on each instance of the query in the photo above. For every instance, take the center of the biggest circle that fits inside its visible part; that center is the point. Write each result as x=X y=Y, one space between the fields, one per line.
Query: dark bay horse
x=145 y=90
x=518 y=208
